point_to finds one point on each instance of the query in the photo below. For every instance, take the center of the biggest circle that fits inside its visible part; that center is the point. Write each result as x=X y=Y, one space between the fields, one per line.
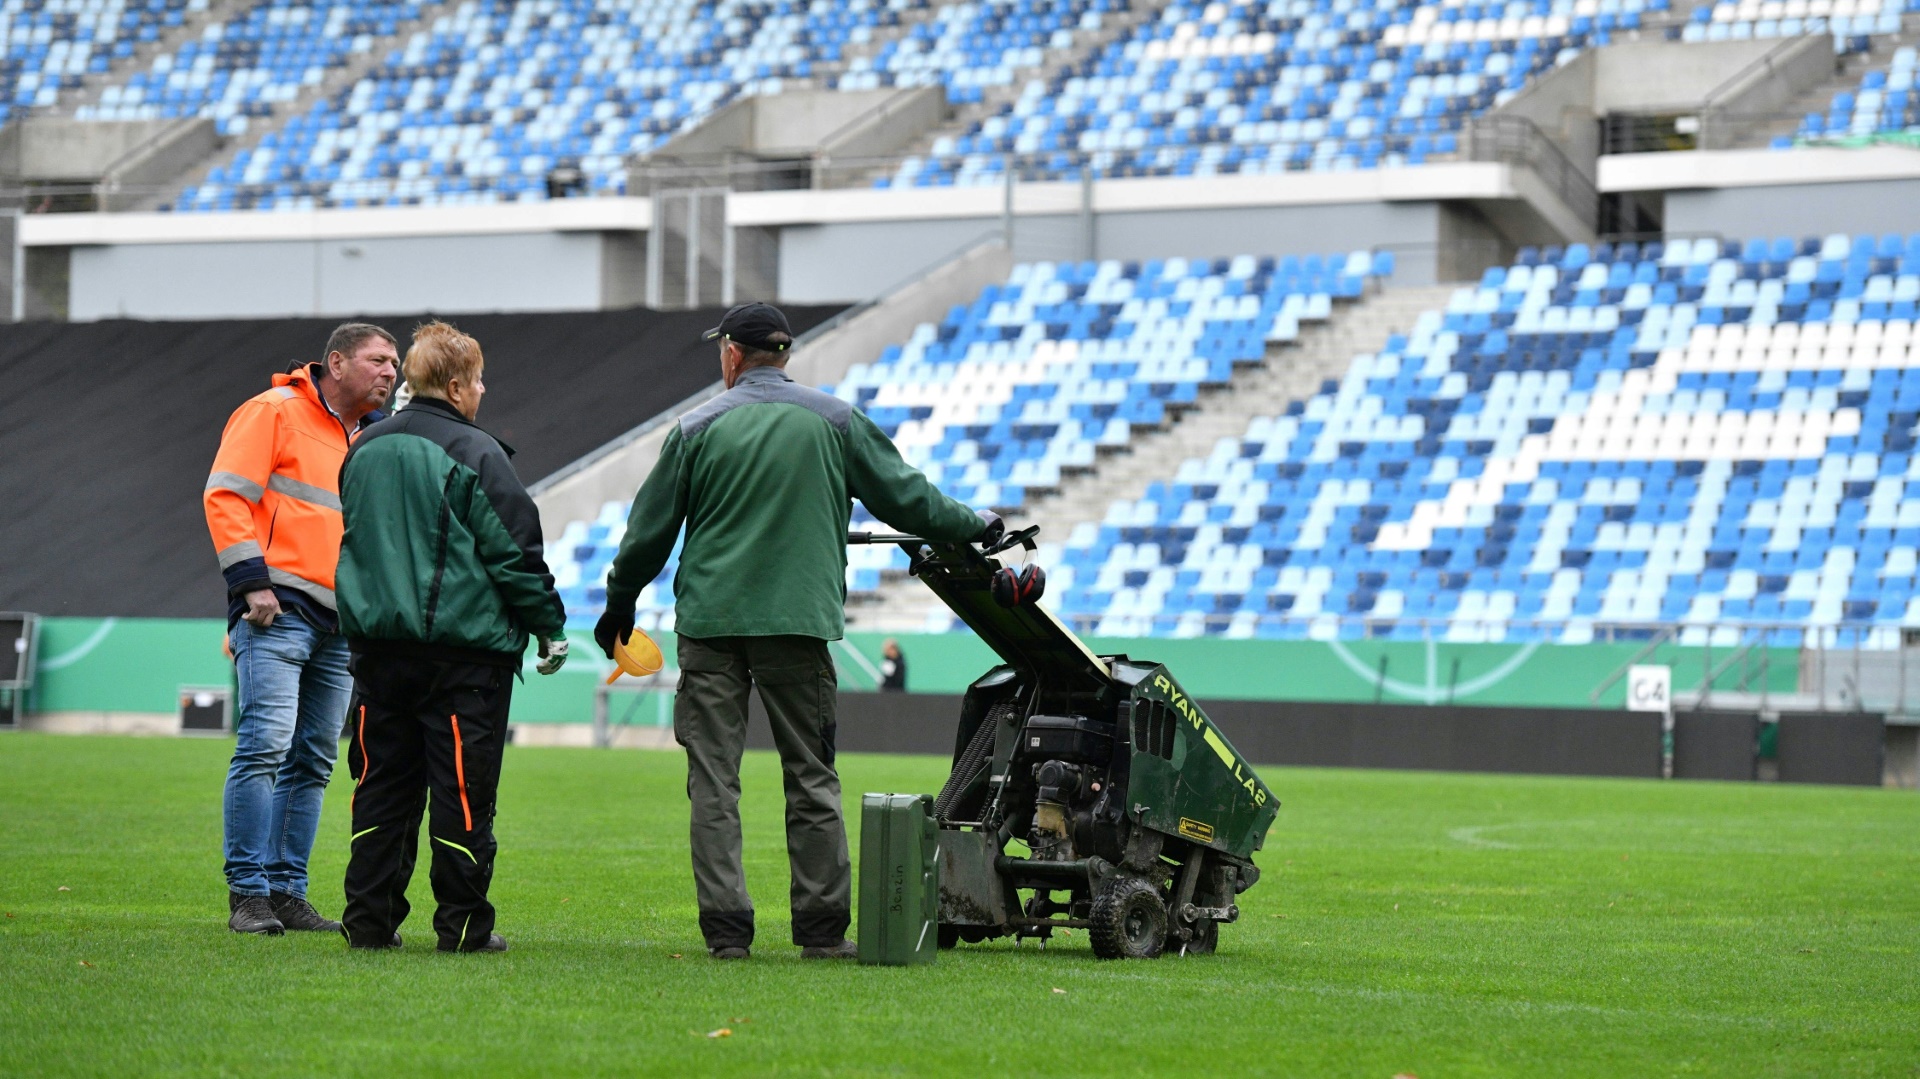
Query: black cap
x=751 y=324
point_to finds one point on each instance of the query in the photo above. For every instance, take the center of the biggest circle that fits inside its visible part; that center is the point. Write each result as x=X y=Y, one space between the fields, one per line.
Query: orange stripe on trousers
x=460 y=772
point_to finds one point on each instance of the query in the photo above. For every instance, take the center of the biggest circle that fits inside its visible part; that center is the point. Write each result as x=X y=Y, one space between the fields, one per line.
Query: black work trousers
x=426 y=732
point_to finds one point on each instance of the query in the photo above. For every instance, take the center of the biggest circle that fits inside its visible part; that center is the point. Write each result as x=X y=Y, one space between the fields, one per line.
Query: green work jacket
x=763 y=477
x=442 y=552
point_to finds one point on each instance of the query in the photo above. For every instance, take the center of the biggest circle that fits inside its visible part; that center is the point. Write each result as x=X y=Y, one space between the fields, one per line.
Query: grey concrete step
x=1847 y=73
x=192 y=25
x=1086 y=43
x=358 y=65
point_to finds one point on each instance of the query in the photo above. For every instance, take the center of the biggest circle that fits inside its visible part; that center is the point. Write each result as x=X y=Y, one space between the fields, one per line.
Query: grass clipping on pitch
x=1431 y=925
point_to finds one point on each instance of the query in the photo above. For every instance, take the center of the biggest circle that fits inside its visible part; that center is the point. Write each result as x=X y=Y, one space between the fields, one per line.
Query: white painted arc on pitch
x=1475 y=835
x=1472 y=838
x=1431 y=692
x=79 y=651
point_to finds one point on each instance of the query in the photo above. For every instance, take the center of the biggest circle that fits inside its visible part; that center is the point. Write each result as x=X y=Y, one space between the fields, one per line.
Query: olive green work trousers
x=797 y=686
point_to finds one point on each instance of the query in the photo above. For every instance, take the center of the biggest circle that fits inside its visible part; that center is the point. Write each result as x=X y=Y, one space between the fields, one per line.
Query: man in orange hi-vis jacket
x=273 y=506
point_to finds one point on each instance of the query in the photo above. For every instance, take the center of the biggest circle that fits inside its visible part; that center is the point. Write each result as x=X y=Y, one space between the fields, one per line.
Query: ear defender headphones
x=1016 y=587
x=1019 y=587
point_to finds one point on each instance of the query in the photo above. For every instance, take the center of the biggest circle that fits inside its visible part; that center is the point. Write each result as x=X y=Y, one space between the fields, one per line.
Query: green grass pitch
x=1432 y=925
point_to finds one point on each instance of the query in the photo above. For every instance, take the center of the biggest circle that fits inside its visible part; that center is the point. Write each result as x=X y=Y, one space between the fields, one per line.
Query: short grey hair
x=347 y=338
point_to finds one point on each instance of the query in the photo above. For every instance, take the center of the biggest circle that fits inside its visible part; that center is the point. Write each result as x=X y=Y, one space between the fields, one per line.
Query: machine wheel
x=949 y=936
x=1206 y=938
x=1129 y=920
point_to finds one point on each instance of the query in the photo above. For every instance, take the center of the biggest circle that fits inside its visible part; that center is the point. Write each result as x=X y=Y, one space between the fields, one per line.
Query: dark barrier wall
x=1545 y=741
x=1454 y=739
x=108 y=429
x=882 y=723
x=1832 y=747
x=1716 y=745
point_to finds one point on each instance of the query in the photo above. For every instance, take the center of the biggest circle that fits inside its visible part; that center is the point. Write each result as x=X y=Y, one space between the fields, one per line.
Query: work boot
x=846 y=949
x=252 y=914
x=394 y=943
x=495 y=943
x=732 y=951
x=297 y=914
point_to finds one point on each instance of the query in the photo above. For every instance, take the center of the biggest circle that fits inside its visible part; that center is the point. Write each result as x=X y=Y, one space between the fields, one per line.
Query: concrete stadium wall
x=838 y=262
x=853 y=261
x=1413 y=229
x=842 y=262
x=1872 y=206
x=543 y=271
x=830 y=245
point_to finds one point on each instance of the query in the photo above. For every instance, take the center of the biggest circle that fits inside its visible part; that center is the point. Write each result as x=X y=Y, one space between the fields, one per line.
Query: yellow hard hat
x=636 y=655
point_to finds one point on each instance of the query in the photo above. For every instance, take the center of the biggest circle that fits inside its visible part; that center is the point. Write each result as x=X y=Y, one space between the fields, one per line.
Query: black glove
x=994 y=530
x=613 y=626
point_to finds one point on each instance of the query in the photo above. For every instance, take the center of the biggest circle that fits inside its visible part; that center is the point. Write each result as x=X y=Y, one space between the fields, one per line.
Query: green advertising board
x=139 y=664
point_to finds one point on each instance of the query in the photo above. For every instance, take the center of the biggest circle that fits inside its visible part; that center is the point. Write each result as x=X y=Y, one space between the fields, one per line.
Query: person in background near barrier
x=442 y=576
x=893 y=667
x=273 y=506
x=762 y=476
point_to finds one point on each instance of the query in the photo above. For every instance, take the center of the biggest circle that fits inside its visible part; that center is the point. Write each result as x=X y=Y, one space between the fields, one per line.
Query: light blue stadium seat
x=1745 y=465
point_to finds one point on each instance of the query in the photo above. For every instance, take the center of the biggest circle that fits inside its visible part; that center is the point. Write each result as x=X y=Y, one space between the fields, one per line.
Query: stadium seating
x=48 y=46
x=240 y=68
x=1594 y=439
x=969 y=46
x=1223 y=87
x=1687 y=432
x=485 y=105
x=1037 y=374
x=499 y=93
x=1851 y=22
x=1884 y=102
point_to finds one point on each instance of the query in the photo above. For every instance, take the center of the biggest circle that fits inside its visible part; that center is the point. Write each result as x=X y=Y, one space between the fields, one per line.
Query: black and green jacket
x=442 y=552
x=763 y=476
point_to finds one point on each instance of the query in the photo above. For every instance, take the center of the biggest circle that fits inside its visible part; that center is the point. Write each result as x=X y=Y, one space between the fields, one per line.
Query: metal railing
x=1516 y=140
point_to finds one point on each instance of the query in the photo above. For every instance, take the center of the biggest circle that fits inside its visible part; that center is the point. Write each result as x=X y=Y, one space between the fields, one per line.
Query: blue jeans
x=294 y=691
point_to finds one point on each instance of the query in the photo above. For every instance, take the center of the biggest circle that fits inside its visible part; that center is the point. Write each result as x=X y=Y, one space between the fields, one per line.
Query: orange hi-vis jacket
x=273 y=498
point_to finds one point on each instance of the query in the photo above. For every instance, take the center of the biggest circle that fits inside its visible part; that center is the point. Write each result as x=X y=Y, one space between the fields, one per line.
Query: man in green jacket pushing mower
x=763 y=477
x=441 y=577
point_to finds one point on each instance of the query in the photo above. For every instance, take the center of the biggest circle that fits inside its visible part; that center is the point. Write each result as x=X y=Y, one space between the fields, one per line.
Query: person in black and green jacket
x=441 y=579
x=763 y=477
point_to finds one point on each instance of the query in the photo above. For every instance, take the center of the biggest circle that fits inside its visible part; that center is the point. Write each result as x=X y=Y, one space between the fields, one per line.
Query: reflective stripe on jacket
x=273 y=497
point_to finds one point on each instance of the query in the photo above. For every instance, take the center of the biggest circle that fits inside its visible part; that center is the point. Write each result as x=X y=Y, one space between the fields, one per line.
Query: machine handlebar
x=1021 y=538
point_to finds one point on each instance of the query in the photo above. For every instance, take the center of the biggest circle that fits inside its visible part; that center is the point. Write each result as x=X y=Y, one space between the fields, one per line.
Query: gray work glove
x=553 y=655
x=992 y=528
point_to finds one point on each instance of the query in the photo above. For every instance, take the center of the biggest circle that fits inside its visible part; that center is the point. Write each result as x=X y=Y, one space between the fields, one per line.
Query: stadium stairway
x=191 y=26
x=1292 y=372
x=337 y=81
x=612 y=473
x=1847 y=72
x=1114 y=26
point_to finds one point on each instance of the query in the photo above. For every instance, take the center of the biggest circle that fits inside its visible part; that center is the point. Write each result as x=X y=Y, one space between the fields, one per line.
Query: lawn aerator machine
x=1139 y=819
